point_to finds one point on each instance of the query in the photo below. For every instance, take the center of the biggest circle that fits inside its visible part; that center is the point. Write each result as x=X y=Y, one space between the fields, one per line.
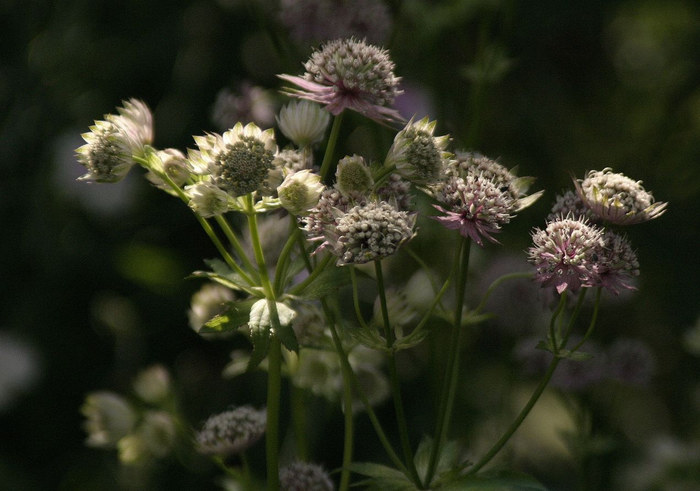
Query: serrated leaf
x=501 y=481
x=410 y=340
x=377 y=471
x=261 y=319
x=261 y=344
x=369 y=338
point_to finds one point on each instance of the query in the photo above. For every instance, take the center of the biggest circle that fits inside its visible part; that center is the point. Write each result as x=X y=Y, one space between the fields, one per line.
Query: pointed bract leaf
x=261 y=344
x=501 y=481
x=329 y=281
x=235 y=316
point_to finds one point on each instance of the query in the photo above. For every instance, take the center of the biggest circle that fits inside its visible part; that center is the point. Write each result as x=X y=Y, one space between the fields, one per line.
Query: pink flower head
x=617 y=263
x=349 y=74
x=566 y=254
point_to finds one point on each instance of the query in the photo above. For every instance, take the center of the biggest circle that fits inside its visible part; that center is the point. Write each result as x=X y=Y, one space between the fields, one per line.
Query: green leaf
x=369 y=338
x=261 y=345
x=499 y=481
x=261 y=316
x=574 y=355
x=329 y=281
x=381 y=477
x=235 y=316
x=412 y=339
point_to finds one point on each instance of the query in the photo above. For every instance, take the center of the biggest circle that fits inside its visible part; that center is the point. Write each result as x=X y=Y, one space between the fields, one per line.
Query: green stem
x=449 y=386
x=297 y=397
x=330 y=148
x=594 y=319
x=349 y=431
x=393 y=376
x=495 y=284
x=283 y=259
x=235 y=243
x=299 y=287
x=356 y=299
x=535 y=395
x=272 y=431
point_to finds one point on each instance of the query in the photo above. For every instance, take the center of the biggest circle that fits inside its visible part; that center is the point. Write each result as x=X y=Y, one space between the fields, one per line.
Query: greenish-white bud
x=154 y=438
x=353 y=175
x=300 y=192
x=153 y=384
x=207 y=200
x=303 y=122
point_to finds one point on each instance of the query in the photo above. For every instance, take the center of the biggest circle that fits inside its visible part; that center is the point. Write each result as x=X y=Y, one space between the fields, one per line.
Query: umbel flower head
x=349 y=74
x=369 y=232
x=617 y=263
x=304 y=476
x=239 y=160
x=565 y=254
x=618 y=199
x=111 y=144
x=569 y=204
x=232 y=431
x=417 y=154
x=303 y=122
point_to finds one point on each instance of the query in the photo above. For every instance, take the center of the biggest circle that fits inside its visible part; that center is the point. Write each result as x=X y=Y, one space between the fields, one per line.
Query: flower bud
x=303 y=122
x=206 y=199
x=353 y=175
x=109 y=417
x=300 y=192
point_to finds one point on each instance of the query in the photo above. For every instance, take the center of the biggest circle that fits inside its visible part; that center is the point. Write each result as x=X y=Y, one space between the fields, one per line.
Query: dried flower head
x=304 y=476
x=617 y=263
x=111 y=144
x=232 y=431
x=303 y=122
x=566 y=253
x=300 y=191
x=369 y=232
x=618 y=199
x=417 y=154
x=349 y=74
x=239 y=160
x=474 y=205
x=353 y=175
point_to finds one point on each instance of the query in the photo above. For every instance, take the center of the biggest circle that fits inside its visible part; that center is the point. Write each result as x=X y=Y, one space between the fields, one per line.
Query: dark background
x=92 y=275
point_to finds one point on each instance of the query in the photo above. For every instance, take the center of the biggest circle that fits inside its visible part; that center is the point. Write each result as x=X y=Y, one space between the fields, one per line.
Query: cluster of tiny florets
x=304 y=476
x=569 y=204
x=465 y=163
x=369 y=232
x=618 y=199
x=232 y=431
x=474 y=205
x=565 y=254
x=416 y=154
x=331 y=204
x=396 y=190
x=617 y=262
x=243 y=166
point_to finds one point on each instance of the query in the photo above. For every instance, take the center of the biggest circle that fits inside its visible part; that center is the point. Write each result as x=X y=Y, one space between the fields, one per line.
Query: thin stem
x=330 y=147
x=594 y=319
x=356 y=300
x=393 y=376
x=297 y=397
x=495 y=284
x=235 y=243
x=272 y=431
x=449 y=386
x=349 y=431
x=299 y=287
x=283 y=259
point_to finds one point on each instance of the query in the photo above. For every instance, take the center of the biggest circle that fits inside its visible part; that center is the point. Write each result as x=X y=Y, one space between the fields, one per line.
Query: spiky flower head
x=323 y=216
x=353 y=175
x=569 y=204
x=417 y=154
x=303 y=122
x=617 y=263
x=474 y=205
x=305 y=476
x=300 y=191
x=466 y=163
x=111 y=144
x=231 y=431
x=369 y=232
x=349 y=74
x=108 y=418
x=618 y=199
x=565 y=254
x=206 y=199
x=239 y=160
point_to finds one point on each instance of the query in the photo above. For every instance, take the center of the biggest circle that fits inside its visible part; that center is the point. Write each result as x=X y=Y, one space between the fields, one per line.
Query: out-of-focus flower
x=303 y=122
x=631 y=362
x=313 y=21
x=19 y=368
x=565 y=254
x=300 y=192
x=239 y=160
x=401 y=313
x=171 y=162
x=349 y=74
x=251 y=104
x=209 y=301
x=369 y=232
x=304 y=476
x=206 y=199
x=153 y=384
x=570 y=205
x=353 y=175
x=109 y=418
x=396 y=190
x=618 y=199
x=617 y=263
x=289 y=160
x=153 y=438
x=417 y=154
x=231 y=431
x=111 y=144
